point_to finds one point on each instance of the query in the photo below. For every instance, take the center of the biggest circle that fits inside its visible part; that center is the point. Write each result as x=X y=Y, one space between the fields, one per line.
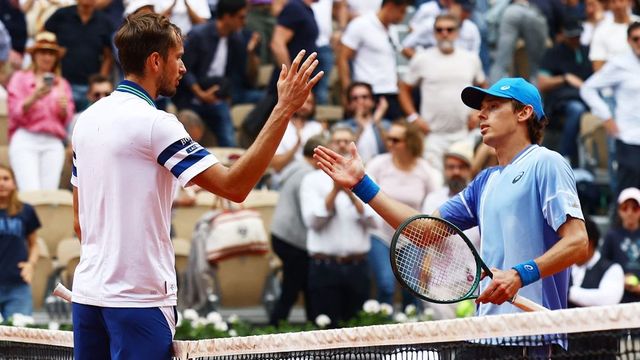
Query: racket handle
x=527 y=305
x=62 y=292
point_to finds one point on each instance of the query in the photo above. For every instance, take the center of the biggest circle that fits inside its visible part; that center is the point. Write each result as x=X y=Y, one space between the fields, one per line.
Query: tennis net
x=611 y=332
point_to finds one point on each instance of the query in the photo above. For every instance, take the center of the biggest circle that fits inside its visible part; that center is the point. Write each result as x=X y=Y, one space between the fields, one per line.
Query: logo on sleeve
x=517 y=178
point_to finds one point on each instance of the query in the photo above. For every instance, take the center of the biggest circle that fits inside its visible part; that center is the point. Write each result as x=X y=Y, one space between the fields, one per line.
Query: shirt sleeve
x=288 y=17
x=31 y=221
x=557 y=190
x=462 y=209
x=597 y=49
x=412 y=76
x=312 y=203
x=609 y=75
x=74 y=169
x=352 y=36
x=172 y=148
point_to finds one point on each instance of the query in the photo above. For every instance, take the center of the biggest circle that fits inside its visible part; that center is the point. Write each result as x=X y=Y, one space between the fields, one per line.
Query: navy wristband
x=365 y=189
x=528 y=272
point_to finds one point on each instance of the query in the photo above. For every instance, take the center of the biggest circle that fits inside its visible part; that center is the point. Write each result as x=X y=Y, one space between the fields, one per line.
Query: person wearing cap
x=622 y=242
x=441 y=72
x=563 y=70
x=622 y=74
x=527 y=207
x=40 y=108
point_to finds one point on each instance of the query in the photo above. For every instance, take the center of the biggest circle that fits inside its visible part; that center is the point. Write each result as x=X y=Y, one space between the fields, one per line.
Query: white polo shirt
x=127 y=156
x=375 y=57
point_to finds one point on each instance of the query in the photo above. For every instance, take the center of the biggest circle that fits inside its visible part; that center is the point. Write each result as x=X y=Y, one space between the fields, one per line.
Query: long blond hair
x=14 y=206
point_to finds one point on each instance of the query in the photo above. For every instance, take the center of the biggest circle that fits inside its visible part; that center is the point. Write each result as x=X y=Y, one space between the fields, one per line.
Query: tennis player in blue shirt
x=527 y=207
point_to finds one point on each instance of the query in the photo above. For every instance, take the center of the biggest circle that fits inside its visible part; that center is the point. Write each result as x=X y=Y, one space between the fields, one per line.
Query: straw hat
x=47 y=41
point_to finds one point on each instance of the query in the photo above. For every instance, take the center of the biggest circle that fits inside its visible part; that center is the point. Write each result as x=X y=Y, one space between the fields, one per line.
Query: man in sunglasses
x=622 y=74
x=442 y=72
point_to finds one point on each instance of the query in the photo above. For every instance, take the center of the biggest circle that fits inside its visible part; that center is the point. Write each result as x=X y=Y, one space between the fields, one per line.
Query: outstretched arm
x=348 y=172
x=235 y=183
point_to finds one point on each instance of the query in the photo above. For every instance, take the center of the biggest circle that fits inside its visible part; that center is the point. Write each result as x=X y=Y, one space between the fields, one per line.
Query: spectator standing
x=86 y=33
x=622 y=75
x=622 y=242
x=595 y=15
x=610 y=38
x=366 y=119
x=563 y=70
x=337 y=240
x=404 y=176
x=367 y=43
x=442 y=72
x=40 y=109
x=261 y=19
x=323 y=11
x=18 y=249
x=216 y=59
x=289 y=236
x=361 y=7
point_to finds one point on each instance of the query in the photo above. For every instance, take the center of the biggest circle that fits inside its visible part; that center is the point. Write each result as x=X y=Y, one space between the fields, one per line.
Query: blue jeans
x=15 y=299
x=217 y=117
x=383 y=274
x=573 y=110
x=325 y=63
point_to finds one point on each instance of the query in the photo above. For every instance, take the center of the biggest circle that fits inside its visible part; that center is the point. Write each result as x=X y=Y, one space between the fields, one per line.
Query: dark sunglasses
x=440 y=30
x=100 y=94
x=356 y=97
x=394 y=140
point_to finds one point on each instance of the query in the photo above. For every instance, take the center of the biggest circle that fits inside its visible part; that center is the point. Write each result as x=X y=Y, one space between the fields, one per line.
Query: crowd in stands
x=395 y=68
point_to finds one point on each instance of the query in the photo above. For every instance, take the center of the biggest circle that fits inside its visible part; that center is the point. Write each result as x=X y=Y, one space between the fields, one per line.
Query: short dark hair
x=632 y=27
x=398 y=2
x=311 y=144
x=97 y=79
x=140 y=36
x=535 y=126
x=356 y=84
x=229 y=7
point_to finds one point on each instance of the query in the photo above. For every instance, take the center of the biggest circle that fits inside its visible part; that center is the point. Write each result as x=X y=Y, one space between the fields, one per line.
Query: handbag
x=235 y=232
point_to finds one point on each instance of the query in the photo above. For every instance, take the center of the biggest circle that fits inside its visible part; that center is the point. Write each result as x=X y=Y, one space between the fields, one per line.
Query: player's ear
x=525 y=113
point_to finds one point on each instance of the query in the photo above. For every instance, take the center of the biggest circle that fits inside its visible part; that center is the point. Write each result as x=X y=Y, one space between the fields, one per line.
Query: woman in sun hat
x=40 y=108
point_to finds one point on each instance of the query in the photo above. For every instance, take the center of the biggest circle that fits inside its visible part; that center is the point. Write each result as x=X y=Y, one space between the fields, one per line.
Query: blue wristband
x=365 y=189
x=528 y=272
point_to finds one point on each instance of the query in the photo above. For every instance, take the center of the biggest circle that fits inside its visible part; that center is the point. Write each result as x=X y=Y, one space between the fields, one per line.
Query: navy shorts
x=121 y=333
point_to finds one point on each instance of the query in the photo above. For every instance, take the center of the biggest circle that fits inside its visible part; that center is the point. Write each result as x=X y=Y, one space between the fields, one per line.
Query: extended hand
x=345 y=172
x=503 y=287
x=294 y=84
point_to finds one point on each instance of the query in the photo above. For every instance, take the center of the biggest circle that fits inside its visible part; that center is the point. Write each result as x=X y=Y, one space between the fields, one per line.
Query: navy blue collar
x=135 y=89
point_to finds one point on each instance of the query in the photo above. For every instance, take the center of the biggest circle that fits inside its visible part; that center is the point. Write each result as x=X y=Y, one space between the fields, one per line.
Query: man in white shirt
x=323 y=11
x=622 y=74
x=127 y=157
x=367 y=43
x=184 y=13
x=442 y=72
x=337 y=241
x=609 y=38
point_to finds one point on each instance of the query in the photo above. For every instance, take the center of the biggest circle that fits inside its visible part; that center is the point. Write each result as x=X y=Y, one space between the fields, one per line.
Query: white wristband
x=413 y=117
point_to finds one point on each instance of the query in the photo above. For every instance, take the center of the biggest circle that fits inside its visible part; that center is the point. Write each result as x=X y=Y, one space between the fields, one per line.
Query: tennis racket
x=436 y=261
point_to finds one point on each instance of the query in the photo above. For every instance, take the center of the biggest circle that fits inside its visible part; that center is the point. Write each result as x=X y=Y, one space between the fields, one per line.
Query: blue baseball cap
x=508 y=88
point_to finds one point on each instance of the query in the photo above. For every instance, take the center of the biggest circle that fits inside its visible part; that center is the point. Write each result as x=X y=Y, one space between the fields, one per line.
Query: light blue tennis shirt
x=519 y=209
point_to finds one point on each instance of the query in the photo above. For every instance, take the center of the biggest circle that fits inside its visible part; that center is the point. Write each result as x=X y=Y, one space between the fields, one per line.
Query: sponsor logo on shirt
x=192 y=148
x=517 y=178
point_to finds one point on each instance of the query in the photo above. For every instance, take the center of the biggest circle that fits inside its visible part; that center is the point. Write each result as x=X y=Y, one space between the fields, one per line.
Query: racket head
x=435 y=260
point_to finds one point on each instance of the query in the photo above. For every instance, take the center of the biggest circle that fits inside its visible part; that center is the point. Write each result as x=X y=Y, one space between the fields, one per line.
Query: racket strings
x=435 y=261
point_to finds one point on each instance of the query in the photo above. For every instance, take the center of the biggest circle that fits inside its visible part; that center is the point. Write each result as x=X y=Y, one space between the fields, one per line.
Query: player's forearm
x=392 y=211
x=570 y=249
x=245 y=173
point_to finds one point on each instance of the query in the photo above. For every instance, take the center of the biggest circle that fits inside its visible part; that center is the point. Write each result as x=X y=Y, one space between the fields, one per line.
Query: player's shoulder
x=544 y=156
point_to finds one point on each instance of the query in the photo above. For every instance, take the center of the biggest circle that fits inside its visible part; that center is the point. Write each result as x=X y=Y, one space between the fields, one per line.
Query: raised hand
x=295 y=84
x=346 y=172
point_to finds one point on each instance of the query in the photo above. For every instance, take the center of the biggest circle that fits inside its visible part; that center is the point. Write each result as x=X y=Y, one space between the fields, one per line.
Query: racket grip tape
x=527 y=305
x=365 y=189
x=528 y=271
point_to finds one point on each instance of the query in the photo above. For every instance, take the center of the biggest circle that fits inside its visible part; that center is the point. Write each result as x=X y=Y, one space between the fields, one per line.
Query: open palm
x=347 y=172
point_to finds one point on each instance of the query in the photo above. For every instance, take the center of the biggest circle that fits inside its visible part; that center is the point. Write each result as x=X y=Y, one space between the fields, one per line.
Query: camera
x=48 y=79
